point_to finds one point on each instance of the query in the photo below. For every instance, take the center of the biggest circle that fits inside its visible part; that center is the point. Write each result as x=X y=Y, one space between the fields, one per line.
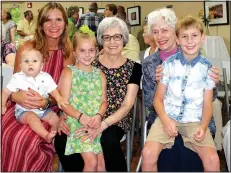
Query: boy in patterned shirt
x=183 y=100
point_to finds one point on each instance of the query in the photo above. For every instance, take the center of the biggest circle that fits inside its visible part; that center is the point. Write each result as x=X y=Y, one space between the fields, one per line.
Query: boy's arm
x=206 y=115
x=207 y=108
x=169 y=125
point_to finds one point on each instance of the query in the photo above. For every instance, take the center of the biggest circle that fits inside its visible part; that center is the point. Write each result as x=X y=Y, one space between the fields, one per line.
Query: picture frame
x=133 y=15
x=218 y=11
x=101 y=12
x=29 y=4
x=81 y=11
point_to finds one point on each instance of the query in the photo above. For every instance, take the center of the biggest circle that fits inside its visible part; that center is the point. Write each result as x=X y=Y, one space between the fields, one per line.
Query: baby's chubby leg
x=34 y=122
x=52 y=119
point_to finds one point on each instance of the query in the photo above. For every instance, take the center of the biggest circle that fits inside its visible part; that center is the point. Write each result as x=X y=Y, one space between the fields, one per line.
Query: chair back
x=227 y=92
x=226 y=66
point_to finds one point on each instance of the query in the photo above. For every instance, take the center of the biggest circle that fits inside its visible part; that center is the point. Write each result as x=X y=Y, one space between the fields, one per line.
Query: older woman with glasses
x=123 y=80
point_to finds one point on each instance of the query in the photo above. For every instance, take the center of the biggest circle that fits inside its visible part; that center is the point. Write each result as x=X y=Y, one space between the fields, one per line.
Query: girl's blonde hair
x=40 y=41
x=83 y=33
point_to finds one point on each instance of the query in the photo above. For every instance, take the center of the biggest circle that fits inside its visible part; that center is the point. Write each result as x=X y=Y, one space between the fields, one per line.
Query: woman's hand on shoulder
x=214 y=74
x=159 y=70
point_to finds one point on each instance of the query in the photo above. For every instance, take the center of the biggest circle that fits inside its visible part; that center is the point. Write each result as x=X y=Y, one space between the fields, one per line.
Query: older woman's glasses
x=116 y=37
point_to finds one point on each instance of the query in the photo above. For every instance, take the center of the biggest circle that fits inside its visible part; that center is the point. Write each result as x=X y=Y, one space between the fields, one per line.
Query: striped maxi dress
x=22 y=149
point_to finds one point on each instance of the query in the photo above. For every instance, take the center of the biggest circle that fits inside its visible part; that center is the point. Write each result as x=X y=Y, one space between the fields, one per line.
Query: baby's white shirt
x=43 y=83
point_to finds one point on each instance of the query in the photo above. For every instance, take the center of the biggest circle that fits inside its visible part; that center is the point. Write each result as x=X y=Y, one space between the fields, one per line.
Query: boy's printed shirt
x=186 y=82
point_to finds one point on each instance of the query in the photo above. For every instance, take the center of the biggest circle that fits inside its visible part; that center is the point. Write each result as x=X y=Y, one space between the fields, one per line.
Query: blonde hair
x=31 y=49
x=189 y=21
x=40 y=41
x=83 y=35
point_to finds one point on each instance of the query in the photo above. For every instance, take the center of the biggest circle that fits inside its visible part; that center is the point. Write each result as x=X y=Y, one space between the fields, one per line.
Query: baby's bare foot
x=50 y=136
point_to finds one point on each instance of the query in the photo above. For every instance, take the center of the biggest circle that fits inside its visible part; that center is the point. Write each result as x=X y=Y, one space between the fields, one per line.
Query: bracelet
x=47 y=105
x=100 y=115
x=80 y=116
x=106 y=123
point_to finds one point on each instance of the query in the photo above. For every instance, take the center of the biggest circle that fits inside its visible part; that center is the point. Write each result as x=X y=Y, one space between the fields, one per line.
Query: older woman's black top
x=117 y=80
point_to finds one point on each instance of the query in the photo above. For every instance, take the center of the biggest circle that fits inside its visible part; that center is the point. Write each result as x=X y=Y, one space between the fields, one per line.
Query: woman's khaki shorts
x=186 y=130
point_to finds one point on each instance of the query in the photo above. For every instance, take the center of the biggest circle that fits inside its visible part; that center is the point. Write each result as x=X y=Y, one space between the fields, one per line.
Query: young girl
x=85 y=87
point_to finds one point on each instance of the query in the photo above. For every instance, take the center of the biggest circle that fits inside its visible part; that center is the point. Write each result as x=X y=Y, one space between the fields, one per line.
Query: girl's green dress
x=86 y=97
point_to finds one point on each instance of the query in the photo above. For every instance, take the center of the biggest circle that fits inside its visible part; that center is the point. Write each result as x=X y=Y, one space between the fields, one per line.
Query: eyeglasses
x=116 y=37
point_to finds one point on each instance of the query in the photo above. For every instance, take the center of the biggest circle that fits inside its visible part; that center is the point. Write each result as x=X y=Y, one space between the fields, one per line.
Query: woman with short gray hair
x=112 y=22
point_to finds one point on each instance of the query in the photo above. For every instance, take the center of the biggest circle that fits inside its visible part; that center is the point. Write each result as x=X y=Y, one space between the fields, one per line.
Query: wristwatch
x=47 y=105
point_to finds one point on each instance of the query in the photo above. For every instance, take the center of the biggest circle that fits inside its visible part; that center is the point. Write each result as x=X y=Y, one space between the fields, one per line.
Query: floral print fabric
x=117 y=81
x=86 y=97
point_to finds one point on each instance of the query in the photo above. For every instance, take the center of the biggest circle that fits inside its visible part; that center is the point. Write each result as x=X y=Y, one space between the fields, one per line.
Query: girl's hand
x=95 y=121
x=159 y=74
x=88 y=133
x=29 y=99
x=214 y=74
x=62 y=102
x=84 y=120
x=170 y=127
x=199 y=134
x=63 y=127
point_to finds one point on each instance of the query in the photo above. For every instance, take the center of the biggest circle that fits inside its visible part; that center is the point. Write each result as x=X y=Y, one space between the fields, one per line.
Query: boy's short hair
x=189 y=21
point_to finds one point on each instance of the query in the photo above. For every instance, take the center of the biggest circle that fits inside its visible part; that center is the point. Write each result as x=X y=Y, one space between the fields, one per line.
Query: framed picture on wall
x=133 y=15
x=217 y=12
x=81 y=11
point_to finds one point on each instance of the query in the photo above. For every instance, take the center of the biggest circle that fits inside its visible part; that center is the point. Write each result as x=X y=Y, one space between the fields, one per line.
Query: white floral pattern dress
x=86 y=97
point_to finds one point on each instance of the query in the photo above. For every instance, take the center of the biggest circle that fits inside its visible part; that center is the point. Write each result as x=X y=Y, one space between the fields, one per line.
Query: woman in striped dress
x=22 y=149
